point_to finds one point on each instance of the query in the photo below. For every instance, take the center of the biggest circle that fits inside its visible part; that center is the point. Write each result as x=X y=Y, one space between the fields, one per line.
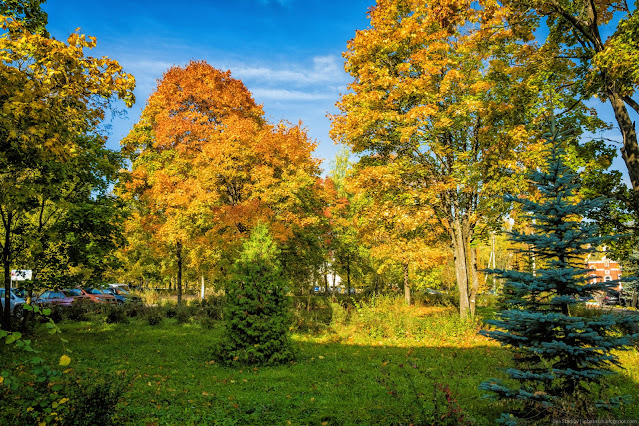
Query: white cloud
x=324 y=69
x=290 y=95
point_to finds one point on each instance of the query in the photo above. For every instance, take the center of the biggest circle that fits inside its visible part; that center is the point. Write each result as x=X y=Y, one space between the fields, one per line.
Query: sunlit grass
x=356 y=368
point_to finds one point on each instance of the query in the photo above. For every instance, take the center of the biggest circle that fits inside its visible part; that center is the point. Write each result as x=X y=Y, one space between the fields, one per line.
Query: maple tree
x=53 y=99
x=28 y=12
x=443 y=95
x=594 y=66
x=207 y=166
x=399 y=231
x=425 y=105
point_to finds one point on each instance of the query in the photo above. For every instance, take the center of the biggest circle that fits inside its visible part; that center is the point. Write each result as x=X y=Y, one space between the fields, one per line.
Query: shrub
x=170 y=311
x=115 y=314
x=256 y=314
x=154 y=316
x=208 y=322
x=133 y=311
x=184 y=314
x=150 y=297
x=314 y=319
x=78 y=311
x=93 y=398
x=339 y=315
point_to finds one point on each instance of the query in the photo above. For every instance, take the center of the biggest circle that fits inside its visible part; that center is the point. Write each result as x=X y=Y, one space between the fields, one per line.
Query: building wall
x=603 y=270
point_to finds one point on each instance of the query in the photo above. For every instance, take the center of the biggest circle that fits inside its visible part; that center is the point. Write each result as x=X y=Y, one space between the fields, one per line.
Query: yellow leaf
x=64 y=360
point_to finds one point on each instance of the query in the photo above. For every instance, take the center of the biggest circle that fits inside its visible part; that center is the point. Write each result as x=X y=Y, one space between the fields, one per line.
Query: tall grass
x=386 y=319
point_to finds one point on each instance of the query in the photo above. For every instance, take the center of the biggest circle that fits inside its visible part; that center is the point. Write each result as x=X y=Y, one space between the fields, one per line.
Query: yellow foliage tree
x=439 y=98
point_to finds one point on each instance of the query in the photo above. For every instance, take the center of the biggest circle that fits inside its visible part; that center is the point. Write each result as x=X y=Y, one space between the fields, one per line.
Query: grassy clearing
x=374 y=363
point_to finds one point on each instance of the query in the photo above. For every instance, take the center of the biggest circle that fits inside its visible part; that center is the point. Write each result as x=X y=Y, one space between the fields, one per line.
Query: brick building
x=603 y=270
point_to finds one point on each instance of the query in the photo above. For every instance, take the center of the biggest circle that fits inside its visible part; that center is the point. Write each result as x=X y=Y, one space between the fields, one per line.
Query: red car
x=94 y=295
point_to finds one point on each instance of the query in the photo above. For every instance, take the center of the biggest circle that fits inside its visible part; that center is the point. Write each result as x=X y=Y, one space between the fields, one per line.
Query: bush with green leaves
x=31 y=390
x=561 y=359
x=153 y=316
x=257 y=313
x=115 y=315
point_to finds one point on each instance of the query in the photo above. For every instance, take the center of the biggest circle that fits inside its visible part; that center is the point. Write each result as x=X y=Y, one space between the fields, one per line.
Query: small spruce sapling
x=559 y=359
x=256 y=312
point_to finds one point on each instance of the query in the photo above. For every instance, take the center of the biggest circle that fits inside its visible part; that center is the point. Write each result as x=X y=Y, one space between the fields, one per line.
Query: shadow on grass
x=174 y=380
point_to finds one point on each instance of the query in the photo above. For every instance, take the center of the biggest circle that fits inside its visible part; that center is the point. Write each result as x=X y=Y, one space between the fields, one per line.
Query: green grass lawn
x=373 y=370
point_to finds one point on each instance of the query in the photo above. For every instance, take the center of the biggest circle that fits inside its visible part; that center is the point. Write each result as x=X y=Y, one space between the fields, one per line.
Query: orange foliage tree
x=207 y=167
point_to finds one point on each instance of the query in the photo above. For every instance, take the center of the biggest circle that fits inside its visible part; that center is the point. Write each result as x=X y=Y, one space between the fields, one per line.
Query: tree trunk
x=179 y=273
x=203 y=289
x=475 y=280
x=6 y=264
x=326 y=291
x=406 y=286
x=630 y=150
x=348 y=274
x=461 y=268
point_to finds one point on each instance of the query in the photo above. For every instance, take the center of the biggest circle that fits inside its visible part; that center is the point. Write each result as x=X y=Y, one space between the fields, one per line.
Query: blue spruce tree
x=560 y=359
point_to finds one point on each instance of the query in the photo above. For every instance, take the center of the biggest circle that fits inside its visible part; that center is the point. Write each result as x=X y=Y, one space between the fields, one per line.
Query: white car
x=124 y=287
x=15 y=303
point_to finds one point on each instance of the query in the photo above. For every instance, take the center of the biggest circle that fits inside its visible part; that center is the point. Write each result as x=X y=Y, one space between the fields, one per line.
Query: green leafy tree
x=28 y=12
x=560 y=357
x=630 y=282
x=257 y=311
x=54 y=100
x=596 y=66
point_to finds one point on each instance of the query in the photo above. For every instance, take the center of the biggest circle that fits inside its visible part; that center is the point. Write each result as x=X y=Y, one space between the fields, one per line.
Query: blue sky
x=287 y=52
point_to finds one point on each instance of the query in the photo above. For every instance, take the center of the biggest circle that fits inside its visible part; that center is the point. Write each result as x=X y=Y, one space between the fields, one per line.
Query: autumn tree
x=599 y=65
x=53 y=99
x=207 y=166
x=400 y=231
x=427 y=102
x=28 y=12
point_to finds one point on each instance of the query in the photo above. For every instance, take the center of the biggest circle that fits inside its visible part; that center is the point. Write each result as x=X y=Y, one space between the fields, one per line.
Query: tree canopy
x=207 y=166
x=53 y=98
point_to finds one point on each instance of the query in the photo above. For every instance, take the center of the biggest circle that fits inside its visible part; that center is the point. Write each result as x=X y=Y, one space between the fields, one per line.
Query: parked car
x=22 y=293
x=121 y=295
x=94 y=295
x=120 y=286
x=611 y=298
x=55 y=298
x=15 y=303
